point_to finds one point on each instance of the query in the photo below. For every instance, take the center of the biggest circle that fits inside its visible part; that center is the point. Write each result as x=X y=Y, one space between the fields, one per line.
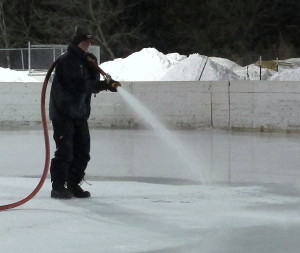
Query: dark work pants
x=72 y=139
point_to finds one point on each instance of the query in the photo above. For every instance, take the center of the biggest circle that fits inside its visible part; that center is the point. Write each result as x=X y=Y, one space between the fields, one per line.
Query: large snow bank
x=146 y=65
x=197 y=67
x=152 y=65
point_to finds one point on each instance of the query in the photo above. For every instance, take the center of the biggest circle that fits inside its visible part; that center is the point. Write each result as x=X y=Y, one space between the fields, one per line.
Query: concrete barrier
x=20 y=104
x=265 y=105
x=256 y=105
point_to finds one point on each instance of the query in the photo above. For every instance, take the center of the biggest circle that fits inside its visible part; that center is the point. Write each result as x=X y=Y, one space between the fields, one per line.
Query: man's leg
x=60 y=164
x=81 y=157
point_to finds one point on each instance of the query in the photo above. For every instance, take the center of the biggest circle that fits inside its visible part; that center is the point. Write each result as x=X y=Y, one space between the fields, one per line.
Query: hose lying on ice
x=47 y=145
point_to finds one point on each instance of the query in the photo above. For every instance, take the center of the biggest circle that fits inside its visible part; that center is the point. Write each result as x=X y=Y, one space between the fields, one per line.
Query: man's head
x=83 y=38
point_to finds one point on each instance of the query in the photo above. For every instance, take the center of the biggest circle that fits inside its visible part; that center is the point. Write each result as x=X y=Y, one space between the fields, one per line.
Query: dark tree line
x=240 y=30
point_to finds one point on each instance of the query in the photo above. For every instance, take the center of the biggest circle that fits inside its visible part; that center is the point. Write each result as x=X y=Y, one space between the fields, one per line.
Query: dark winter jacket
x=72 y=86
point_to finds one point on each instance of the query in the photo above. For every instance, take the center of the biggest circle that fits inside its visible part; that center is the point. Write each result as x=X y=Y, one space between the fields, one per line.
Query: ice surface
x=150 y=203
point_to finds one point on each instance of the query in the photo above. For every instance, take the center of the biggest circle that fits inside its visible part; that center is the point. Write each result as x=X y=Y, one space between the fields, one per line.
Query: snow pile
x=152 y=65
x=8 y=75
x=287 y=75
x=197 y=67
x=146 y=65
x=252 y=72
x=214 y=71
x=188 y=69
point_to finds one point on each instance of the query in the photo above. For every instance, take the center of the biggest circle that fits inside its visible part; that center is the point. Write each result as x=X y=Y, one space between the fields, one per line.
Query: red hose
x=47 y=145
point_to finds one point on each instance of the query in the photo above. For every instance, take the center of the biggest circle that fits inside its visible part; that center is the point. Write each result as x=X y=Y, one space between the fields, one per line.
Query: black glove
x=112 y=85
x=100 y=85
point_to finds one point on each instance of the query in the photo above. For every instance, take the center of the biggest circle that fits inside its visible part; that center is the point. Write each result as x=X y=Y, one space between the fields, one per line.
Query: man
x=70 y=103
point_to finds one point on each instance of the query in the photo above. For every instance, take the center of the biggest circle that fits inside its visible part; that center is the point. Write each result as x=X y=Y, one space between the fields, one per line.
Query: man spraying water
x=76 y=78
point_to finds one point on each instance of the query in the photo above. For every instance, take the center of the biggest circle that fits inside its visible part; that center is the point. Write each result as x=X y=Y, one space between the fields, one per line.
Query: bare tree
x=235 y=29
x=19 y=17
x=108 y=19
x=3 y=29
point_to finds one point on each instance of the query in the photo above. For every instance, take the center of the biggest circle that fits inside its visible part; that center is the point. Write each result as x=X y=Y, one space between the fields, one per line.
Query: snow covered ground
x=254 y=209
x=151 y=65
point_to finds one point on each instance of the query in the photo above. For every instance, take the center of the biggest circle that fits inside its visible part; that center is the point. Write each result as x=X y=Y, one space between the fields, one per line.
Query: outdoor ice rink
x=145 y=199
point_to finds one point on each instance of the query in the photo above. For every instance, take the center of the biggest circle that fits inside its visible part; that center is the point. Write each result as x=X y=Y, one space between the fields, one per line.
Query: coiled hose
x=47 y=145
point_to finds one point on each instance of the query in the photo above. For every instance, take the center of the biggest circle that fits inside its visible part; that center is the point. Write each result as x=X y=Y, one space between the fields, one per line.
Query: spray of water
x=194 y=165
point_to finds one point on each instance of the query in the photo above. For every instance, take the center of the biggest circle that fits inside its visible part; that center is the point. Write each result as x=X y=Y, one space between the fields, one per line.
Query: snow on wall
x=261 y=105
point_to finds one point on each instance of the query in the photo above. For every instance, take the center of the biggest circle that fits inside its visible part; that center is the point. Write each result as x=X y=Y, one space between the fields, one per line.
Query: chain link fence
x=14 y=58
x=35 y=58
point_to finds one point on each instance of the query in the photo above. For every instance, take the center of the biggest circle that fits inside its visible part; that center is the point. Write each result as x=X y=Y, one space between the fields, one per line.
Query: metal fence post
x=53 y=50
x=260 y=59
x=29 y=57
x=22 y=58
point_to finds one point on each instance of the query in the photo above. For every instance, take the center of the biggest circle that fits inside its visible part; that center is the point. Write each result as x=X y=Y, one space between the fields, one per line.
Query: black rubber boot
x=60 y=192
x=77 y=191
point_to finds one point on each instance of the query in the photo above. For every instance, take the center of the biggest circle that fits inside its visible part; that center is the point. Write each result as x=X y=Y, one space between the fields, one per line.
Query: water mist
x=194 y=165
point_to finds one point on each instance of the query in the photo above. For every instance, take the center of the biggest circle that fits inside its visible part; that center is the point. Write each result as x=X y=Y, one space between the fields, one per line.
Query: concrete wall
x=263 y=105
x=20 y=104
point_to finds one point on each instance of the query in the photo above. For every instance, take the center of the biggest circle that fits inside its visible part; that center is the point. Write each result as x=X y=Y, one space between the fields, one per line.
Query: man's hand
x=116 y=84
x=113 y=85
